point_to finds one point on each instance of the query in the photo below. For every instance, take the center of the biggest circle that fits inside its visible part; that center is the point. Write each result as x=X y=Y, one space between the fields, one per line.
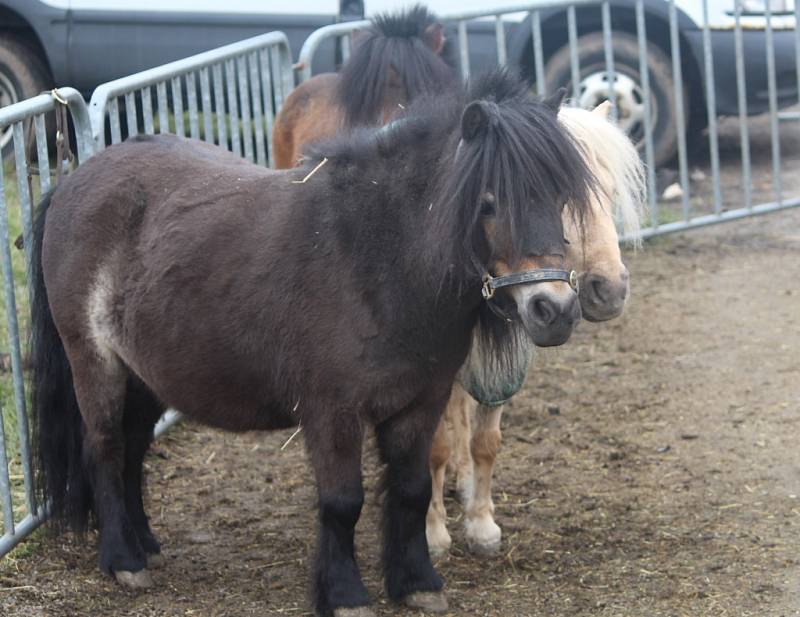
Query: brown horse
x=468 y=438
x=398 y=58
x=337 y=297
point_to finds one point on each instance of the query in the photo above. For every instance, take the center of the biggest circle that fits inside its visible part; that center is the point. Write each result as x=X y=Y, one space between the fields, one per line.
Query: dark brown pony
x=398 y=58
x=168 y=272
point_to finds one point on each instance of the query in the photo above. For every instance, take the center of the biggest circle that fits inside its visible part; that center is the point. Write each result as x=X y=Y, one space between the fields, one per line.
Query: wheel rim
x=593 y=90
x=8 y=96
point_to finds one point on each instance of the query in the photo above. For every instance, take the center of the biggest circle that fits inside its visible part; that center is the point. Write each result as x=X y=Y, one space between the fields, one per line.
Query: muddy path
x=650 y=467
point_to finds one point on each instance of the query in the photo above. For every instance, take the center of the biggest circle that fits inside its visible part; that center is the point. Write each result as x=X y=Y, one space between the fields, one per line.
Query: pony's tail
x=62 y=478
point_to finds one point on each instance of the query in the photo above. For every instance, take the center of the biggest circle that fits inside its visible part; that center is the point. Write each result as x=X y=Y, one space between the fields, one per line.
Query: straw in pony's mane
x=610 y=149
x=408 y=42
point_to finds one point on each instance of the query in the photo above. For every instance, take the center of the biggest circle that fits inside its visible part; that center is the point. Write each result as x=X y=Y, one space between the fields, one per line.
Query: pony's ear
x=603 y=110
x=554 y=100
x=474 y=120
x=434 y=38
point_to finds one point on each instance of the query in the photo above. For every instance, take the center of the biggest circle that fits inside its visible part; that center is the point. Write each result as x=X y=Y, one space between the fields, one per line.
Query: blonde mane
x=606 y=146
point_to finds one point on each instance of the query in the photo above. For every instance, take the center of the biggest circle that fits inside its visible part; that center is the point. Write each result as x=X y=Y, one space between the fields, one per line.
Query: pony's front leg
x=404 y=442
x=439 y=540
x=334 y=447
x=483 y=534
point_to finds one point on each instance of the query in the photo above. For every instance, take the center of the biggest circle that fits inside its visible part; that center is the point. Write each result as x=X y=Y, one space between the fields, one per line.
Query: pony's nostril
x=598 y=290
x=544 y=311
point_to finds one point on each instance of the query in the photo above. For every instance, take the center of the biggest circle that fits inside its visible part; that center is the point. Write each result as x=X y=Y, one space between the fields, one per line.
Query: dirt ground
x=649 y=468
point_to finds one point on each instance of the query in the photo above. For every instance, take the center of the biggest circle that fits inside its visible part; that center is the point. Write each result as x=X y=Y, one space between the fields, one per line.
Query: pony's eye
x=566 y=241
x=487 y=209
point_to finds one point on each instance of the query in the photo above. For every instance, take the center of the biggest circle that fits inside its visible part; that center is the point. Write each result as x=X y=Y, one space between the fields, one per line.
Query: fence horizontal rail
x=228 y=96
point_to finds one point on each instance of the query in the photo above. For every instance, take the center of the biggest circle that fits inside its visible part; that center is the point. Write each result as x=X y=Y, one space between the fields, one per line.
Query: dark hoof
x=156 y=561
x=430 y=601
x=357 y=611
x=134 y=580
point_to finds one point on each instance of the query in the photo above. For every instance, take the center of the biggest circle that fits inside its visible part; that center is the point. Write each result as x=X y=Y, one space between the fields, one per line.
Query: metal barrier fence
x=627 y=53
x=228 y=96
x=29 y=120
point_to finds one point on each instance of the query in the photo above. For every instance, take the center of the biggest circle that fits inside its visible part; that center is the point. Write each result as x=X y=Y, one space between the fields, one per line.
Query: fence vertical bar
x=11 y=306
x=538 y=52
x=608 y=51
x=675 y=48
x=463 y=48
x=574 y=62
x=258 y=113
x=177 y=105
x=191 y=95
x=711 y=108
x=41 y=153
x=644 y=71
x=5 y=481
x=163 y=107
x=233 y=108
x=244 y=101
x=219 y=100
x=130 y=115
x=797 y=44
x=741 y=88
x=775 y=139
x=113 y=120
x=500 y=36
x=206 y=108
x=147 y=109
x=266 y=94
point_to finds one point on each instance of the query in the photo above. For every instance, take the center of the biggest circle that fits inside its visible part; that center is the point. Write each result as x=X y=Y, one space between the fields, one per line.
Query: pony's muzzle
x=603 y=297
x=550 y=314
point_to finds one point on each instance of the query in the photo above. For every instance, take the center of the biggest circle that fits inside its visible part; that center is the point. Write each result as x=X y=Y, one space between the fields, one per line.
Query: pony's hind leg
x=100 y=384
x=142 y=411
x=404 y=442
x=439 y=540
x=483 y=534
x=333 y=442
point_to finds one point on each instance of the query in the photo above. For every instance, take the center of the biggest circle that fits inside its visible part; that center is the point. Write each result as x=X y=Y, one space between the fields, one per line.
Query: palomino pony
x=399 y=57
x=603 y=291
x=338 y=296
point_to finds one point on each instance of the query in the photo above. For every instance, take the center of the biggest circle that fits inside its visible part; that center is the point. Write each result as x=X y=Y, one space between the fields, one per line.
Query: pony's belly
x=237 y=419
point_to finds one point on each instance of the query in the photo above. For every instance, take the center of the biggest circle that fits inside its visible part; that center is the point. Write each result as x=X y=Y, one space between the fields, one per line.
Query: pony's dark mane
x=396 y=41
x=524 y=158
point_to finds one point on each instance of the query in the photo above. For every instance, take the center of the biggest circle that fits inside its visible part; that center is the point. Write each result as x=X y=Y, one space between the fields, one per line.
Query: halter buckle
x=573 y=280
x=487 y=291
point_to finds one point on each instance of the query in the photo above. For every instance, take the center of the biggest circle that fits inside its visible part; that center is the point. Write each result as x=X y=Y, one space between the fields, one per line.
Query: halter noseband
x=539 y=275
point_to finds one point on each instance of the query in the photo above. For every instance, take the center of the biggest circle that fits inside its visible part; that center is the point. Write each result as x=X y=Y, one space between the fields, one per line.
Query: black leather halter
x=540 y=275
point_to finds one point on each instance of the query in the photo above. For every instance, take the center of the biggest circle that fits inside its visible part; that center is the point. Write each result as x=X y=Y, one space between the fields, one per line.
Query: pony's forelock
x=610 y=148
x=393 y=41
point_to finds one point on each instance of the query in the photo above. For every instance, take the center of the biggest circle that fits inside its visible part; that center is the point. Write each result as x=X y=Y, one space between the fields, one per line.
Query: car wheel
x=22 y=75
x=593 y=87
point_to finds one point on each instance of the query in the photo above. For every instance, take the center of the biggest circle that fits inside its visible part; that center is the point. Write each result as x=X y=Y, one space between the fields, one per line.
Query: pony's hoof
x=431 y=601
x=134 y=580
x=438 y=551
x=357 y=611
x=489 y=549
x=156 y=561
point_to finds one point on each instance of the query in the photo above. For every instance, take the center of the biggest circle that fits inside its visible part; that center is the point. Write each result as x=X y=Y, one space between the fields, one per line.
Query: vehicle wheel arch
x=15 y=24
